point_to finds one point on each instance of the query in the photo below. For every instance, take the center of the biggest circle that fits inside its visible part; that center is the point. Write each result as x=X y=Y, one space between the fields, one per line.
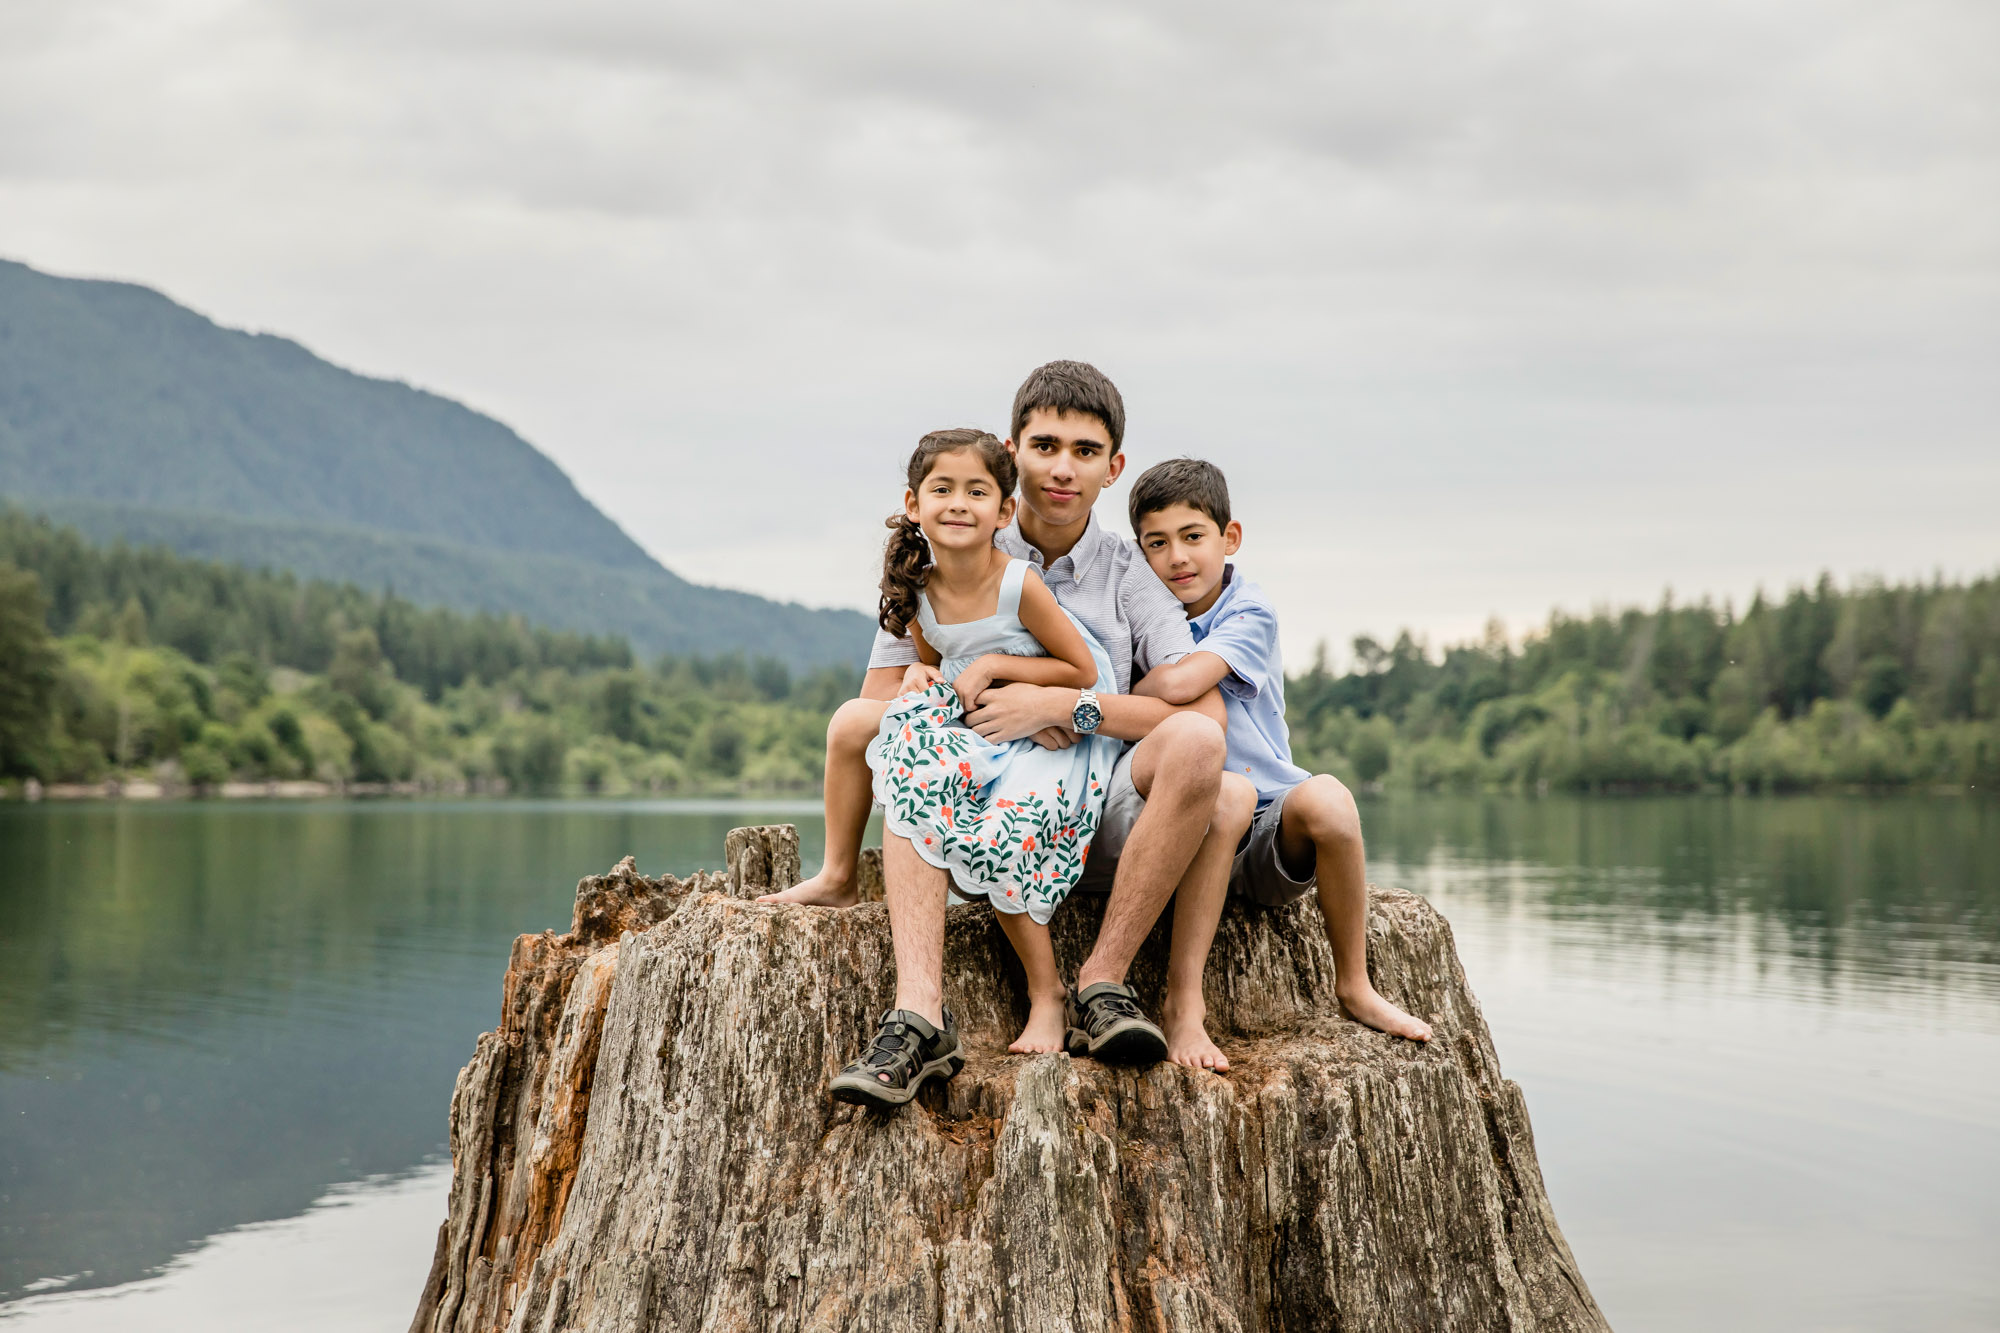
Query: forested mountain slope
x=132 y=417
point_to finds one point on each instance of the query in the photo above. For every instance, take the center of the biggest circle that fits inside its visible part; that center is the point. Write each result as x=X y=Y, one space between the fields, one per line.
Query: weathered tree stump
x=646 y=1142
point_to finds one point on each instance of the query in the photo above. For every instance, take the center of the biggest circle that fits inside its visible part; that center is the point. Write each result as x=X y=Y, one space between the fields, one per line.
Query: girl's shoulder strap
x=1010 y=587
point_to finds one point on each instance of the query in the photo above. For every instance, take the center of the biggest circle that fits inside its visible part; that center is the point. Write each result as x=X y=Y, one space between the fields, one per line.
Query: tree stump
x=646 y=1143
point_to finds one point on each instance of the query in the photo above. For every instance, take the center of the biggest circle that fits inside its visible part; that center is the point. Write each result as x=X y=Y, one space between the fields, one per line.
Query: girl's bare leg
x=1044 y=1031
x=849 y=797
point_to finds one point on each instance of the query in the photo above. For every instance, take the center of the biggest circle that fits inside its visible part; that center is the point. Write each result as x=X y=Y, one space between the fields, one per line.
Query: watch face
x=1086 y=717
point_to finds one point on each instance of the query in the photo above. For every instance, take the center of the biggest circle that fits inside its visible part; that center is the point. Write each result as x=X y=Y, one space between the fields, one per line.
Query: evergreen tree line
x=117 y=662
x=210 y=611
x=122 y=663
x=1879 y=686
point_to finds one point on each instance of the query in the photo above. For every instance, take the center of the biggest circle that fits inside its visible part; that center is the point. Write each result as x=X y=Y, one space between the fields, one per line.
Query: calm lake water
x=1760 y=1040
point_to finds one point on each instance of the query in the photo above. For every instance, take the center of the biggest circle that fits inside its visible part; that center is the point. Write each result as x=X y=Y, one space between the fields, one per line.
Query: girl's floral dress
x=1011 y=822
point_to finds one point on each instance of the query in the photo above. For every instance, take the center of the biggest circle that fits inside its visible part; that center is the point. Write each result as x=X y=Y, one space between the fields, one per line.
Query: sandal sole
x=858 y=1092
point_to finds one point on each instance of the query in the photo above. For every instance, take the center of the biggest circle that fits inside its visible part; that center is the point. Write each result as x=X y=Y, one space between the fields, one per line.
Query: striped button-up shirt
x=1105 y=583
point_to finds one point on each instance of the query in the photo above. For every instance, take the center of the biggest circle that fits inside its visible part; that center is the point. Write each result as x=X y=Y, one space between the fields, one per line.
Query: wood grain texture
x=646 y=1143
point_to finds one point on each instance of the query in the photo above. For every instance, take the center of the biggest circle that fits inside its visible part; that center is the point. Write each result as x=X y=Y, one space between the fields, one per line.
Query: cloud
x=1483 y=307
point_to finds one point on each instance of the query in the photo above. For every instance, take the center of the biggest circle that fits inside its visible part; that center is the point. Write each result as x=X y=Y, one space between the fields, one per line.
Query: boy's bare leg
x=1198 y=903
x=850 y=794
x=1321 y=830
x=915 y=890
x=1045 y=1028
x=1178 y=769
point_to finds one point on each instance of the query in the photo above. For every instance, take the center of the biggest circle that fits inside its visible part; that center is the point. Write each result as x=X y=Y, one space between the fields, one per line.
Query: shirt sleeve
x=1160 y=632
x=1247 y=639
x=889 y=651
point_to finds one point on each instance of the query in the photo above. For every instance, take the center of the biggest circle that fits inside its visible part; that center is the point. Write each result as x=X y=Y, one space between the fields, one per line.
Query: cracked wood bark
x=645 y=1143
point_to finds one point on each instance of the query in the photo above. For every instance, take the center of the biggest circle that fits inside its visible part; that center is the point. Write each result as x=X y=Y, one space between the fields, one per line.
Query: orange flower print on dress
x=975 y=808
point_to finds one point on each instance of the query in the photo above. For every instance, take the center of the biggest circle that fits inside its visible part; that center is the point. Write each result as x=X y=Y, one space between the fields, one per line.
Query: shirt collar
x=1081 y=556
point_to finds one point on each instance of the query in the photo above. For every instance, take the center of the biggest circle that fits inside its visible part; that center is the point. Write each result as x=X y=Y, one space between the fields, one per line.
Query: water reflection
x=209 y=1014
x=1760 y=1039
x=1899 y=895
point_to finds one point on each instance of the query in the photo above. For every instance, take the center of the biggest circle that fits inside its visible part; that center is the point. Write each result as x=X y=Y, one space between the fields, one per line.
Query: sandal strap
x=896 y=1051
x=1108 y=1005
x=894 y=1044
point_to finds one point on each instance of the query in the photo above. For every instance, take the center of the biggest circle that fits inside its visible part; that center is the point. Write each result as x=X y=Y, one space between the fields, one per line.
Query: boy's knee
x=1235 y=805
x=1196 y=743
x=1331 y=813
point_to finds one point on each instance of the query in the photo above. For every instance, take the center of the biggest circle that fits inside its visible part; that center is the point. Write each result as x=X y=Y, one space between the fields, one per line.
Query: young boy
x=1307 y=833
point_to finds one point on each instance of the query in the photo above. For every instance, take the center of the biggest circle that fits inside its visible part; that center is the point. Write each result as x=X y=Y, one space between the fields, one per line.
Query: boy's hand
x=920 y=677
x=974 y=680
x=1009 y=712
x=1055 y=738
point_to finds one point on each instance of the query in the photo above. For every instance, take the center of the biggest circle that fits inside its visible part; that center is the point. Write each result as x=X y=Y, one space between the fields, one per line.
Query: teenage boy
x=1307 y=832
x=1168 y=815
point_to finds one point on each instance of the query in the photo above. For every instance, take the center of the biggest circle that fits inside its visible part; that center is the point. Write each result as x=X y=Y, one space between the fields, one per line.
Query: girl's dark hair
x=906 y=559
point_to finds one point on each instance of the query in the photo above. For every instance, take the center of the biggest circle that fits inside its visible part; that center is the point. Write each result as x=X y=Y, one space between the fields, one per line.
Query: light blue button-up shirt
x=1242 y=629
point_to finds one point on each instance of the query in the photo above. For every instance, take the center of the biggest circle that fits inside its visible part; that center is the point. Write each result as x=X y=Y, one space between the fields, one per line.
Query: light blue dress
x=1010 y=822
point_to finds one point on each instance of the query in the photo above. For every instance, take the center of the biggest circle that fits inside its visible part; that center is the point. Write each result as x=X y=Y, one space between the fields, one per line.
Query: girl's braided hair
x=906 y=558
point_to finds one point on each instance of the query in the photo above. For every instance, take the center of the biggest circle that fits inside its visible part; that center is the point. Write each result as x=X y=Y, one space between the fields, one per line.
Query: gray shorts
x=1258 y=872
x=1122 y=806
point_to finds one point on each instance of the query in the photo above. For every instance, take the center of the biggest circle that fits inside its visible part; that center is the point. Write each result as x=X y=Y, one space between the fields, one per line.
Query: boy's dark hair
x=1071 y=386
x=1194 y=482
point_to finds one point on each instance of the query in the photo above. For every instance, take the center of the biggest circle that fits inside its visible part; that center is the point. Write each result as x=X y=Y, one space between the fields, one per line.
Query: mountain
x=134 y=418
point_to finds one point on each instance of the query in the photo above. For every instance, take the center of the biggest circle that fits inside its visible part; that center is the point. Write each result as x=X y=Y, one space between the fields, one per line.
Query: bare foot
x=1366 y=1005
x=1045 y=1029
x=1187 y=1037
x=822 y=890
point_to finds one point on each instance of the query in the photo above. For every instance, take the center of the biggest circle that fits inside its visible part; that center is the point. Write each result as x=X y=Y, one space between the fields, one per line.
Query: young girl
x=1012 y=822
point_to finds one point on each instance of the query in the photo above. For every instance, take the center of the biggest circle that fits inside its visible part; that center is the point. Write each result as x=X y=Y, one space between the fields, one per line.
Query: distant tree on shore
x=28 y=664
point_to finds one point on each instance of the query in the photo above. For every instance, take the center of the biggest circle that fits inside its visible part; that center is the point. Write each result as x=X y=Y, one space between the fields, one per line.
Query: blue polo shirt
x=1242 y=629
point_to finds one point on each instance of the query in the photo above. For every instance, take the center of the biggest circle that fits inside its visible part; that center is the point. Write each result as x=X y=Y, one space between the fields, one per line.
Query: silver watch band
x=1086 y=707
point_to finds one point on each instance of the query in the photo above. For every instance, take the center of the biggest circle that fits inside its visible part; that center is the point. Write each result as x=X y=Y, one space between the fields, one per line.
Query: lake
x=1760 y=1040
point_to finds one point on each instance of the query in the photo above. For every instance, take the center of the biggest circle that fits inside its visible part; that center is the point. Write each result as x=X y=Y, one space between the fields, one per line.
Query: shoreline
x=32 y=792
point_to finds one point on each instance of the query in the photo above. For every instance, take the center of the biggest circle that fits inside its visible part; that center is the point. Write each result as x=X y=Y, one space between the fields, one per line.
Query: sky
x=1485 y=308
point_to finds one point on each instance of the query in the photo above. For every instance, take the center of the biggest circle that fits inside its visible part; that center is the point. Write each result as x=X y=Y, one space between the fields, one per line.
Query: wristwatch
x=1085 y=717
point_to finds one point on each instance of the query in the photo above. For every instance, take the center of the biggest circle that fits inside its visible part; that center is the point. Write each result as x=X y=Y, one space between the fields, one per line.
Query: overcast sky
x=1484 y=307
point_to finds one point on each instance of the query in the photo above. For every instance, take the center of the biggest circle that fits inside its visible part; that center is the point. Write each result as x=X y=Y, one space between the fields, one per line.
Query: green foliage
x=211 y=612
x=27 y=672
x=207 y=674
x=1877 y=686
x=117 y=709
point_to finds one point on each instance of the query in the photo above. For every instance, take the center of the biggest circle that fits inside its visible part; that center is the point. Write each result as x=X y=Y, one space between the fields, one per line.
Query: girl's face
x=959 y=505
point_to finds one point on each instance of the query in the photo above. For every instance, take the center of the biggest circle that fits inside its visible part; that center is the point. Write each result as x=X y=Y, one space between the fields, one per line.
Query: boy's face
x=1065 y=460
x=1188 y=551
